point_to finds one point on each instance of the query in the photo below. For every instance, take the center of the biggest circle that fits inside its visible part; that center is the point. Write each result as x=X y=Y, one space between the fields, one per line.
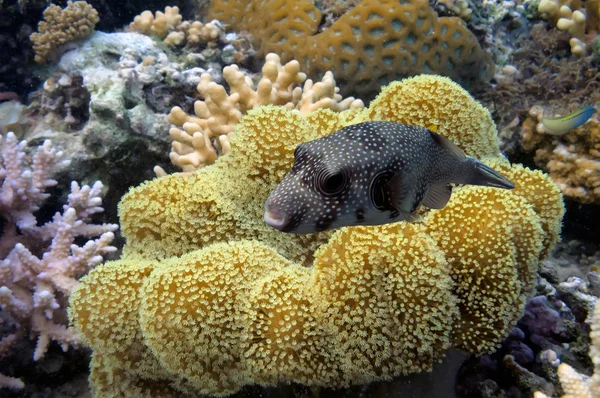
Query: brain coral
x=372 y=44
x=208 y=299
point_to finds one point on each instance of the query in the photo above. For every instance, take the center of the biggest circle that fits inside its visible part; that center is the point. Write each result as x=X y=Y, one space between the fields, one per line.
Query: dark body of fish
x=371 y=173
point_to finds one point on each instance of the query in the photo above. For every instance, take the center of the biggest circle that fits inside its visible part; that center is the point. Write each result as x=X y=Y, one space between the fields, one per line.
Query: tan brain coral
x=378 y=301
x=374 y=43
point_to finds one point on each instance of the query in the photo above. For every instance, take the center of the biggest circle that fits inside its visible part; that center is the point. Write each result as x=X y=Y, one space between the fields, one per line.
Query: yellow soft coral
x=441 y=105
x=227 y=301
x=60 y=26
x=492 y=240
x=386 y=290
x=374 y=43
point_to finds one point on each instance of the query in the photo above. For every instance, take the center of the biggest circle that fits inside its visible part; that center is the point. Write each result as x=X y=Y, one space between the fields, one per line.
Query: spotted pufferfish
x=371 y=173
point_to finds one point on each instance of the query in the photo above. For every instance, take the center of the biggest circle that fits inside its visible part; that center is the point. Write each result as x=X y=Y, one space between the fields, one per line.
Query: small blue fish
x=371 y=173
x=560 y=125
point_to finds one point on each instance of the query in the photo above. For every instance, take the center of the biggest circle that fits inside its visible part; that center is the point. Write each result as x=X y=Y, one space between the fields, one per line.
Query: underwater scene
x=300 y=198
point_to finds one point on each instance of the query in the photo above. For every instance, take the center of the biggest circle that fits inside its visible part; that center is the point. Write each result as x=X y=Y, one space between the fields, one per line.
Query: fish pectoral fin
x=410 y=217
x=438 y=196
x=448 y=145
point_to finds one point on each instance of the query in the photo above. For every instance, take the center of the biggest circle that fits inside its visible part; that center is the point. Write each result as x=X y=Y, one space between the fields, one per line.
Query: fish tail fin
x=475 y=172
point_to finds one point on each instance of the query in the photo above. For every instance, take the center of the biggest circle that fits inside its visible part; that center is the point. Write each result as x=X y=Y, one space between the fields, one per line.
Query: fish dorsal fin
x=399 y=191
x=437 y=196
x=449 y=146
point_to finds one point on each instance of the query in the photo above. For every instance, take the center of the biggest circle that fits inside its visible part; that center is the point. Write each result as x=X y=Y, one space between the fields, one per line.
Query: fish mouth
x=273 y=219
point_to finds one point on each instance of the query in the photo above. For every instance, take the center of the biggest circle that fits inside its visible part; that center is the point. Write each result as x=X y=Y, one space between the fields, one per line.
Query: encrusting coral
x=572 y=160
x=220 y=300
x=40 y=263
x=61 y=26
x=374 y=43
x=169 y=27
x=199 y=139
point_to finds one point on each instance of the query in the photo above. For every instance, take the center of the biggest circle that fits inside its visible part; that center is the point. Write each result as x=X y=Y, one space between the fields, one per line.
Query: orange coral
x=375 y=42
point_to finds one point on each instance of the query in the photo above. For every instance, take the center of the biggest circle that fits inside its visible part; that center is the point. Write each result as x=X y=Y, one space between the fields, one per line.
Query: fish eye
x=332 y=183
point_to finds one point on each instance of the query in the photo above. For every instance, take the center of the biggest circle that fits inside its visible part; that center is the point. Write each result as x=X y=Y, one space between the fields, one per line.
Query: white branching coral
x=199 y=139
x=40 y=264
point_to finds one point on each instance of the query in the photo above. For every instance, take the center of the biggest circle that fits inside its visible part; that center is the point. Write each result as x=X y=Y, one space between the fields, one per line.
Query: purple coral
x=40 y=263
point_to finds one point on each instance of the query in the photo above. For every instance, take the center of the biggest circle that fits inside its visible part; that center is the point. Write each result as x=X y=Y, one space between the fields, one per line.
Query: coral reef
x=106 y=108
x=61 y=26
x=41 y=263
x=372 y=44
x=572 y=160
x=378 y=301
x=577 y=385
x=63 y=102
x=105 y=105
x=545 y=77
x=199 y=139
x=553 y=330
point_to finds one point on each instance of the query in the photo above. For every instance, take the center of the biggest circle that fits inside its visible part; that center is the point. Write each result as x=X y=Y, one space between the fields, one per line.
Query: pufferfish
x=371 y=173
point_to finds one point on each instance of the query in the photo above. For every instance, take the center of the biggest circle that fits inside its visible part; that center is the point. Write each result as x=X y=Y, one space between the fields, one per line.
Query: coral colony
x=192 y=116
x=41 y=262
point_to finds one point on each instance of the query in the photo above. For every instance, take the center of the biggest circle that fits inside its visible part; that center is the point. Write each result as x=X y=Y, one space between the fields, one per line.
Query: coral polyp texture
x=219 y=300
x=215 y=117
x=41 y=264
x=372 y=44
x=572 y=160
x=61 y=26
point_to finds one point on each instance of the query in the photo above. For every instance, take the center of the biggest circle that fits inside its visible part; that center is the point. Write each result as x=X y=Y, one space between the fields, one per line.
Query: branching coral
x=40 y=264
x=221 y=300
x=372 y=44
x=572 y=160
x=580 y=18
x=197 y=140
x=169 y=27
x=60 y=26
